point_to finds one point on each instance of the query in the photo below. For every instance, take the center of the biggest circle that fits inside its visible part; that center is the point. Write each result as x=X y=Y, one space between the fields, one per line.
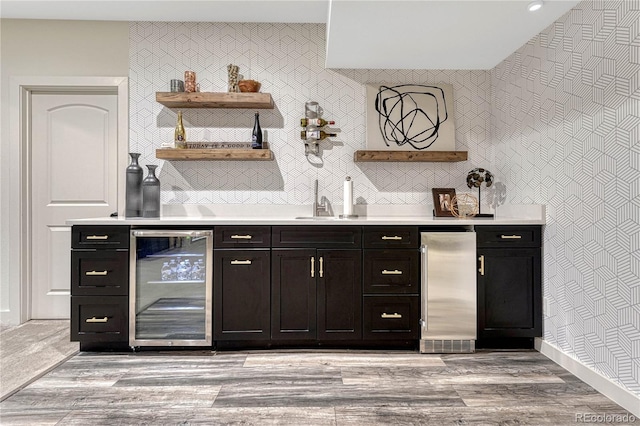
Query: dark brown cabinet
x=316 y=292
x=241 y=295
x=99 y=286
x=509 y=284
x=391 y=283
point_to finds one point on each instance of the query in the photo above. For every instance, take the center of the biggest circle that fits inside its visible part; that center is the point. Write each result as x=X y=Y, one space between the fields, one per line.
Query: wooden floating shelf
x=215 y=100
x=410 y=156
x=214 y=154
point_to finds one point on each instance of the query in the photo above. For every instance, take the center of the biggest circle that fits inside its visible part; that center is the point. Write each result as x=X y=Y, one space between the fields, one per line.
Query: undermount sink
x=315 y=217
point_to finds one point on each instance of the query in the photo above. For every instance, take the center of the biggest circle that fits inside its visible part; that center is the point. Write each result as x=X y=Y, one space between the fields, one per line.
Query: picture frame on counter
x=443 y=202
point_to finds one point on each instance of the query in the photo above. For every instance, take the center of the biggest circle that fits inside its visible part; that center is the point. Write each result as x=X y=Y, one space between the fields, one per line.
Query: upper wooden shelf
x=215 y=100
x=410 y=156
x=191 y=154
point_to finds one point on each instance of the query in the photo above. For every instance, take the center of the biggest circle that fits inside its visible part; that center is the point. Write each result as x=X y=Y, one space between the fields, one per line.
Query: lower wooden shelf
x=191 y=154
x=410 y=156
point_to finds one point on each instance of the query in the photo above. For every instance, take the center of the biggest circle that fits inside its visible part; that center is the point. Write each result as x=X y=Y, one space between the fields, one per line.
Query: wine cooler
x=171 y=288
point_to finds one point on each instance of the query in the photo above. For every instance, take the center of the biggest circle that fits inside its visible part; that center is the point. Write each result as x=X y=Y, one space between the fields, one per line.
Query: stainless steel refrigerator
x=448 y=321
x=170 y=288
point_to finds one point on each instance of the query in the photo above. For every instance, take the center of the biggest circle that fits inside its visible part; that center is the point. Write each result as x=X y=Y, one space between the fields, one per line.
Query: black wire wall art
x=410 y=117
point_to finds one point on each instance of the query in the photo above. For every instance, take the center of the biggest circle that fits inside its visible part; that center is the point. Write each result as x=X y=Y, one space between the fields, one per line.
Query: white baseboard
x=621 y=396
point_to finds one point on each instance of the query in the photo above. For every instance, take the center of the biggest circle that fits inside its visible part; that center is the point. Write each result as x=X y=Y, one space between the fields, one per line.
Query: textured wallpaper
x=566 y=124
x=289 y=62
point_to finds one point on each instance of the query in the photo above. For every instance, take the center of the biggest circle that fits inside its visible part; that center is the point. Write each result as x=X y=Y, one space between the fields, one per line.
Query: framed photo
x=442 y=201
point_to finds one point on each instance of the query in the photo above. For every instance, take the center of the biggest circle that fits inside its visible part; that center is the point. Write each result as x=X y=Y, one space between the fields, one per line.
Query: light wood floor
x=306 y=388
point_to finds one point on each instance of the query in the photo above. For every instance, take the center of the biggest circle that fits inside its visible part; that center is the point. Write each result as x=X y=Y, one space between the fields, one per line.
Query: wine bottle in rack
x=316 y=135
x=318 y=122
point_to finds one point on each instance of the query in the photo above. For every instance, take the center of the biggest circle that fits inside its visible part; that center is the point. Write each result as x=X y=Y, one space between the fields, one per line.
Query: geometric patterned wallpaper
x=566 y=132
x=288 y=59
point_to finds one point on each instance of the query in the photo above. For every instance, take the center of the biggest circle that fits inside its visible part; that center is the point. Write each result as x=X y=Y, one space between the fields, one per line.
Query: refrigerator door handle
x=423 y=283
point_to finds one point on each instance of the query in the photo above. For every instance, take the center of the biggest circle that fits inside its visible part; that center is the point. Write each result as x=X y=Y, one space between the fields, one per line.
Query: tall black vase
x=133 y=190
x=151 y=193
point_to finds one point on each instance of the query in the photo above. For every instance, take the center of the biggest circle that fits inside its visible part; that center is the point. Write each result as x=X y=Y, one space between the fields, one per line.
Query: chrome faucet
x=319 y=207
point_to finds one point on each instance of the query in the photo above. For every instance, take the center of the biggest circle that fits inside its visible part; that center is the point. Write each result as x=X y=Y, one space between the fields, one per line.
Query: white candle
x=347 y=209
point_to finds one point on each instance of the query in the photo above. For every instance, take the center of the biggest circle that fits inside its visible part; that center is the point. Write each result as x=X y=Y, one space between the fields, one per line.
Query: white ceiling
x=396 y=34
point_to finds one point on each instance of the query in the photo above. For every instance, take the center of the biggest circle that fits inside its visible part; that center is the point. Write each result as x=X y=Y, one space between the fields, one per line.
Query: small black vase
x=151 y=193
x=133 y=190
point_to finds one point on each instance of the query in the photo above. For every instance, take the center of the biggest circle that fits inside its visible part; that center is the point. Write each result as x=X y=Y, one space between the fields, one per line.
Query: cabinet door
x=293 y=294
x=339 y=294
x=241 y=295
x=509 y=293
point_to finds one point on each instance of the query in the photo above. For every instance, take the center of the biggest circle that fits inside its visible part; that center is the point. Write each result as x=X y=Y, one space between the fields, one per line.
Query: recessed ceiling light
x=535 y=5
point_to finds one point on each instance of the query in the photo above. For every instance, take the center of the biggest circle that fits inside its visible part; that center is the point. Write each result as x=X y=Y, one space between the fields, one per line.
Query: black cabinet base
x=506 y=343
x=355 y=344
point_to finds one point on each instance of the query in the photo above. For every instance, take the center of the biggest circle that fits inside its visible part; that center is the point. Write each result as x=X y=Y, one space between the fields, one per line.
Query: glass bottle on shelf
x=165 y=272
x=182 y=272
x=174 y=266
x=180 y=136
x=256 y=135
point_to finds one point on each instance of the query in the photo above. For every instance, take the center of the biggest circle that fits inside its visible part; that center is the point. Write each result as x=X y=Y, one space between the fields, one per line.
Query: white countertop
x=266 y=214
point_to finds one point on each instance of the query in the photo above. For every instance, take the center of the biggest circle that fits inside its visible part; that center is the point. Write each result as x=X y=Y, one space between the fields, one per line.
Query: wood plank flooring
x=31 y=349
x=306 y=388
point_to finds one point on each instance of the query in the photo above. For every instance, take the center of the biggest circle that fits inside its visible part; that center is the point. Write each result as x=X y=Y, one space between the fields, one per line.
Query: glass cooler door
x=171 y=288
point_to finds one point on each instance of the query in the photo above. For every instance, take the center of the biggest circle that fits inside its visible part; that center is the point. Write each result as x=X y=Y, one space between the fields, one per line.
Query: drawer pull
x=390 y=316
x=481 y=270
x=94 y=319
x=394 y=272
x=241 y=237
x=511 y=237
x=395 y=237
x=313 y=271
x=96 y=273
x=241 y=262
x=97 y=237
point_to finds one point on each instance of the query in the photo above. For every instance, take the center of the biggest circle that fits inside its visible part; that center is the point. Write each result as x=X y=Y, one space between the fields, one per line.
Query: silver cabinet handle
x=96 y=273
x=321 y=271
x=390 y=316
x=94 y=319
x=511 y=237
x=97 y=237
x=394 y=272
x=241 y=237
x=481 y=269
x=241 y=262
x=395 y=237
x=313 y=272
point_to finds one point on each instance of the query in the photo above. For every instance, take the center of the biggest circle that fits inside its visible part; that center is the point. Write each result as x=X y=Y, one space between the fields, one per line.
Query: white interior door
x=73 y=174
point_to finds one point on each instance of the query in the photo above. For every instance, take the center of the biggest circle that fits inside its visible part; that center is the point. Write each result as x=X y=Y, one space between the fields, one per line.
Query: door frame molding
x=18 y=252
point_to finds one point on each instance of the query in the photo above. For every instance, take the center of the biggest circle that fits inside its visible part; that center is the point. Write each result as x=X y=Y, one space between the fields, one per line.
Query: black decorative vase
x=133 y=190
x=151 y=193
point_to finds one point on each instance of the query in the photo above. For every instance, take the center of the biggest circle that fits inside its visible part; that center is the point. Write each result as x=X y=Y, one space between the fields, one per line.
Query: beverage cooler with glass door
x=171 y=288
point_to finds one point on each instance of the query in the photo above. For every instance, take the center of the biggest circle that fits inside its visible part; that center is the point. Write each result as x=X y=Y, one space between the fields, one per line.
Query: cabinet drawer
x=102 y=272
x=319 y=236
x=242 y=236
x=99 y=319
x=391 y=318
x=97 y=237
x=391 y=237
x=392 y=271
x=508 y=236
